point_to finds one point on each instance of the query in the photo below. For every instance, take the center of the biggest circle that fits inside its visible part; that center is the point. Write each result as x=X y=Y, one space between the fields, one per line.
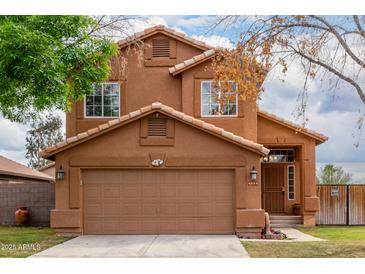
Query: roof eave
x=131 y=39
x=319 y=138
x=15 y=174
x=155 y=107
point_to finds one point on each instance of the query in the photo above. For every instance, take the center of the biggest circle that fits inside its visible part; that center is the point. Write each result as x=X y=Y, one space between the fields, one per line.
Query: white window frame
x=293 y=166
x=102 y=104
x=201 y=102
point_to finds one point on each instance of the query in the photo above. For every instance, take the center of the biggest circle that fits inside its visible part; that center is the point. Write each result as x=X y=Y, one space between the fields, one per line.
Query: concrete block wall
x=37 y=196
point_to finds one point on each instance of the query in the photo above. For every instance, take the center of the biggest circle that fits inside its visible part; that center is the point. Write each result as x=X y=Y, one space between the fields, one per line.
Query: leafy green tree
x=44 y=132
x=331 y=174
x=49 y=61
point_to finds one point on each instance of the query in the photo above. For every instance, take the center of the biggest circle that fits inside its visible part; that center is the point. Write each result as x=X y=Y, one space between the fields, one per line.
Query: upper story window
x=215 y=102
x=104 y=102
x=280 y=156
x=160 y=48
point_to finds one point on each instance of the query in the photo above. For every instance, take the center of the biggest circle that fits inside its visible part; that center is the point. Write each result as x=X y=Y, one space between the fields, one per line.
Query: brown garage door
x=158 y=201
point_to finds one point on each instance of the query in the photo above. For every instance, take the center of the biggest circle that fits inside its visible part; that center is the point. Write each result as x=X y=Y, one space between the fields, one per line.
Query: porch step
x=280 y=221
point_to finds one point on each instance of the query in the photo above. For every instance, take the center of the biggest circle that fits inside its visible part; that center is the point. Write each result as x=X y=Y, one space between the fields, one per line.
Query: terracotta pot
x=21 y=215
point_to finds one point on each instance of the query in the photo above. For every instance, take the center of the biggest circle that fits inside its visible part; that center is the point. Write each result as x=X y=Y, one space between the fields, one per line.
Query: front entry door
x=273 y=188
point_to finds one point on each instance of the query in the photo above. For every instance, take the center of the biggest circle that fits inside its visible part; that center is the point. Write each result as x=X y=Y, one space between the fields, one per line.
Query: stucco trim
x=154 y=107
x=320 y=138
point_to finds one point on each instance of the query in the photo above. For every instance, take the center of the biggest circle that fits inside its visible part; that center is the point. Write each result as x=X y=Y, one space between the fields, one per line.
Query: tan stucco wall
x=121 y=148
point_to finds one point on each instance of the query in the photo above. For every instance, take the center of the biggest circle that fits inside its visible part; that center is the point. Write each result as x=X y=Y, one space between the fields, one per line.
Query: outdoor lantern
x=253 y=175
x=60 y=174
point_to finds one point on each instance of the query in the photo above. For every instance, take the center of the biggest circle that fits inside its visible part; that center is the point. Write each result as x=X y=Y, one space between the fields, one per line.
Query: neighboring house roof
x=320 y=138
x=167 y=31
x=157 y=106
x=196 y=60
x=12 y=168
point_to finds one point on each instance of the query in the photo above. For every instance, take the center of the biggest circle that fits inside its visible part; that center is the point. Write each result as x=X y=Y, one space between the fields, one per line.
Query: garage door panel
x=168 y=191
x=222 y=224
x=111 y=208
x=158 y=201
x=168 y=208
x=150 y=209
x=93 y=210
x=205 y=209
x=111 y=191
x=111 y=227
x=92 y=192
x=223 y=209
x=150 y=190
x=112 y=176
x=131 y=189
x=186 y=190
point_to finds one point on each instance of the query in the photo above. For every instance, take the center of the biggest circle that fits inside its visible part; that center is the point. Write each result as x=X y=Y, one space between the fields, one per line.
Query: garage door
x=158 y=202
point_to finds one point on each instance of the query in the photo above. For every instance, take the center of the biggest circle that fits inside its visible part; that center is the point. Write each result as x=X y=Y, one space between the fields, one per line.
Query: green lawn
x=20 y=242
x=342 y=242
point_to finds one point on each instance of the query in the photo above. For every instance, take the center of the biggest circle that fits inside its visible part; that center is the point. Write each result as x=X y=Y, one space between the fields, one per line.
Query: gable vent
x=157 y=127
x=160 y=48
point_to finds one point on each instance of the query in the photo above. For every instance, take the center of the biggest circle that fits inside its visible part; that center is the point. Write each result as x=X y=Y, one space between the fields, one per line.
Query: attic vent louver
x=160 y=48
x=157 y=127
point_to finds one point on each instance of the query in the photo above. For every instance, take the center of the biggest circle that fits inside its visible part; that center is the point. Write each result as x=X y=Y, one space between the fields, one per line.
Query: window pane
x=115 y=112
x=107 y=111
x=114 y=89
x=106 y=97
x=206 y=87
x=89 y=111
x=217 y=101
x=107 y=90
x=206 y=99
x=97 y=100
x=231 y=109
x=115 y=101
x=107 y=100
x=98 y=88
x=97 y=111
x=214 y=109
x=205 y=109
x=89 y=100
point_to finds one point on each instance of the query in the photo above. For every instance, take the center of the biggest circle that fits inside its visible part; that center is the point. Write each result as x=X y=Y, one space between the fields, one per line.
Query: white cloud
x=335 y=118
x=12 y=135
x=190 y=22
x=215 y=40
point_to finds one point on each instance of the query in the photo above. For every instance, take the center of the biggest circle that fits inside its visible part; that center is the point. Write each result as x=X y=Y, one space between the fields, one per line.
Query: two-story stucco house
x=151 y=152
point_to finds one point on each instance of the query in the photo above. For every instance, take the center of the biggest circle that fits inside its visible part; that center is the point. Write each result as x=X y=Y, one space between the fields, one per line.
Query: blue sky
x=333 y=114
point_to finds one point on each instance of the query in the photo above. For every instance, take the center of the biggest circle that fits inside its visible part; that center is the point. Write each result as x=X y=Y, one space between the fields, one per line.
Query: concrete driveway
x=149 y=246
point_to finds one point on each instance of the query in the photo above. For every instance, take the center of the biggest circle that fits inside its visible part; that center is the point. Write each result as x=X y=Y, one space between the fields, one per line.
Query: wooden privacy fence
x=341 y=205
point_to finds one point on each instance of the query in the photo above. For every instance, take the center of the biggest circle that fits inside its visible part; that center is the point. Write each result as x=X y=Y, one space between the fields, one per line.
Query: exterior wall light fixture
x=253 y=175
x=60 y=174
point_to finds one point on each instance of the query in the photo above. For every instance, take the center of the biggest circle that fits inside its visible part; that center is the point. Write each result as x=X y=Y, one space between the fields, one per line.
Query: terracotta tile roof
x=192 y=62
x=311 y=133
x=160 y=28
x=12 y=168
x=84 y=136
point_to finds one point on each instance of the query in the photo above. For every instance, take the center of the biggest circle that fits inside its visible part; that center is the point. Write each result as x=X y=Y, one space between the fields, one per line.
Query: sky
x=332 y=114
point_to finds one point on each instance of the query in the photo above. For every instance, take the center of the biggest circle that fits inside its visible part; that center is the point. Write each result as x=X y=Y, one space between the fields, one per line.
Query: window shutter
x=157 y=127
x=160 y=48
